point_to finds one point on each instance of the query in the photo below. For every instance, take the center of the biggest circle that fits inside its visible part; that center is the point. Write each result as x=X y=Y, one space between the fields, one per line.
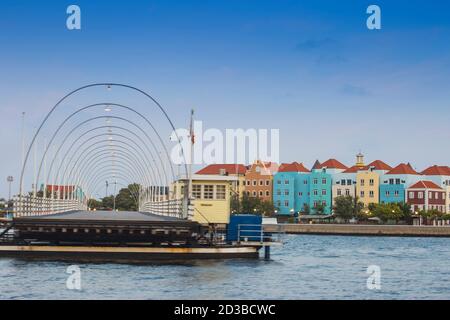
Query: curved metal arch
x=89 y=86
x=112 y=148
x=103 y=141
x=118 y=155
x=104 y=176
x=91 y=130
x=134 y=194
x=77 y=126
x=118 y=149
x=109 y=170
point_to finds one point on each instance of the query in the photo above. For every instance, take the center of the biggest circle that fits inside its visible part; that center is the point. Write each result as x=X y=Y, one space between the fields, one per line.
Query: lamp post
x=9 y=179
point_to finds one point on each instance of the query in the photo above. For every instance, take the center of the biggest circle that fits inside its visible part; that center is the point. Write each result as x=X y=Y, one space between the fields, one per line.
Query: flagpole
x=192 y=136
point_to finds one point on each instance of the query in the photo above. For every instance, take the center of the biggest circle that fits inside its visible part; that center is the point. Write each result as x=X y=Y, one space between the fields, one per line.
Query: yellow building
x=368 y=182
x=227 y=169
x=212 y=194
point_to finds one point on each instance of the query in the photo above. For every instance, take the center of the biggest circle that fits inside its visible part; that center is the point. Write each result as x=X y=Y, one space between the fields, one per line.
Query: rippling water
x=306 y=267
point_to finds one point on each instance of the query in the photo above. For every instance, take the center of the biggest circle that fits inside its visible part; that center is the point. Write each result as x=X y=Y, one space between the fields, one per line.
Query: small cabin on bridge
x=212 y=195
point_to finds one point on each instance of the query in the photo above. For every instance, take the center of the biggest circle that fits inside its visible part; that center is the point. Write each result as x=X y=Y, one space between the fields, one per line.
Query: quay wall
x=361 y=230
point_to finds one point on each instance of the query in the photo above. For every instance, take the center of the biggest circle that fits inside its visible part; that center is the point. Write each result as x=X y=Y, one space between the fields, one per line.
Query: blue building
x=321 y=181
x=291 y=188
x=394 y=183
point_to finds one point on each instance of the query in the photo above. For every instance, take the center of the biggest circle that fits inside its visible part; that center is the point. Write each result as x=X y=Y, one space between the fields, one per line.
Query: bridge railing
x=28 y=206
x=170 y=208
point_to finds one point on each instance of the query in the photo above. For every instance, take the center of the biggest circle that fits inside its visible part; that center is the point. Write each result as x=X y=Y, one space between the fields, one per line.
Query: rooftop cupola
x=360 y=160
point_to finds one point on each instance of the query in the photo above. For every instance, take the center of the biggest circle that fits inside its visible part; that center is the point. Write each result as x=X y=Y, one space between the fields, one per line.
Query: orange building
x=225 y=169
x=259 y=180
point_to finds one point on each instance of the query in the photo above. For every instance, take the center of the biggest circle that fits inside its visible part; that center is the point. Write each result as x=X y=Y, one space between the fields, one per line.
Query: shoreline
x=361 y=230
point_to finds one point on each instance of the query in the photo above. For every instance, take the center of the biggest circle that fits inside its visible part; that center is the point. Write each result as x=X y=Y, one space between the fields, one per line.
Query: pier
x=362 y=230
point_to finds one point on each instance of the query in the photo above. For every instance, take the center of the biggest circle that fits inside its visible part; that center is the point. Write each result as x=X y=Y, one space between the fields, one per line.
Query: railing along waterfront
x=255 y=233
x=170 y=208
x=27 y=206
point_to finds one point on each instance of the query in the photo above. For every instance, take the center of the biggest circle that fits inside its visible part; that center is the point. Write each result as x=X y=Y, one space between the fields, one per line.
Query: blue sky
x=310 y=68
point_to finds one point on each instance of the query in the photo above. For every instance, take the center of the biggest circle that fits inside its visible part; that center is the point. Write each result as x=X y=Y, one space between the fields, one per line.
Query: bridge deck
x=104 y=216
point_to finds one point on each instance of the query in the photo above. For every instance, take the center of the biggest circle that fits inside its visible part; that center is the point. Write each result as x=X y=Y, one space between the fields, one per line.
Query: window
x=315 y=204
x=300 y=194
x=371 y=194
x=278 y=203
x=324 y=192
x=197 y=191
x=430 y=195
x=208 y=191
x=261 y=193
x=411 y=195
x=305 y=181
x=339 y=192
x=220 y=192
x=267 y=182
x=315 y=192
x=347 y=192
x=371 y=182
x=324 y=203
x=254 y=182
x=286 y=192
x=396 y=193
x=324 y=181
x=397 y=181
x=278 y=181
x=261 y=182
x=387 y=193
x=391 y=181
x=343 y=182
x=420 y=195
x=286 y=181
x=349 y=182
x=362 y=182
x=267 y=193
x=286 y=203
x=362 y=194
x=315 y=181
x=278 y=192
x=254 y=193
x=248 y=182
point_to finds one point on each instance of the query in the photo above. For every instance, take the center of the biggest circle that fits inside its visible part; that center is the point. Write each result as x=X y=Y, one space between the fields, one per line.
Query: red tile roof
x=229 y=169
x=379 y=165
x=333 y=164
x=403 y=168
x=425 y=185
x=292 y=167
x=353 y=169
x=437 y=171
x=316 y=165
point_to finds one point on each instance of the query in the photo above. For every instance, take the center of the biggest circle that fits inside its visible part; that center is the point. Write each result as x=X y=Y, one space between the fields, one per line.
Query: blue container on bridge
x=244 y=227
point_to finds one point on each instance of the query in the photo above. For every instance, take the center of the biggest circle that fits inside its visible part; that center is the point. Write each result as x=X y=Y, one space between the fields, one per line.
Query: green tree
x=306 y=209
x=347 y=207
x=388 y=211
x=319 y=208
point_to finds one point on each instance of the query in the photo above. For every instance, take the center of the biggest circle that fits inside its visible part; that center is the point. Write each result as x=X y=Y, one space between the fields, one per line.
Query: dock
x=362 y=230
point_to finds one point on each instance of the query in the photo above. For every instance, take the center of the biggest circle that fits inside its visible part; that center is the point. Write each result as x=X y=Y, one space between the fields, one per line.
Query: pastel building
x=440 y=175
x=291 y=188
x=426 y=195
x=344 y=183
x=259 y=180
x=394 y=183
x=368 y=181
x=321 y=181
x=232 y=170
x=212 y=196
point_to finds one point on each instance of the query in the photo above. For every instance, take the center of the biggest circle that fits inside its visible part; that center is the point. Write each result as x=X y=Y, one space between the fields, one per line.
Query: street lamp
x=9 y=179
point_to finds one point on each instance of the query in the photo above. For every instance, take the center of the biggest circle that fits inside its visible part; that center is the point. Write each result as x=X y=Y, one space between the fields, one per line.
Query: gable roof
x=292 y=167
x=437 y=171
x=425 y=185
x=316 y=165
x=333 y=164
x=353 y=169
x=379 y=165
x=229 y=169
x=403 y=168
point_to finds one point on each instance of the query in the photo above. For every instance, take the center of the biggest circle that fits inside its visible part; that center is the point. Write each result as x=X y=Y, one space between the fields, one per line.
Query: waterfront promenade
x=361 y=230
